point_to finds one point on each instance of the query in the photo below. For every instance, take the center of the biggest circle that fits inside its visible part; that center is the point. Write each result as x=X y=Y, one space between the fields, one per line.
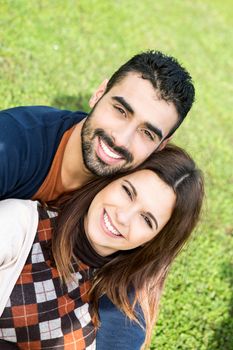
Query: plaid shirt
x=43 y=313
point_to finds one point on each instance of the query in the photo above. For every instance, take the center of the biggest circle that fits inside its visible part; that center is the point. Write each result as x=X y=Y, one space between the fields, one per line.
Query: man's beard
x=91 y=160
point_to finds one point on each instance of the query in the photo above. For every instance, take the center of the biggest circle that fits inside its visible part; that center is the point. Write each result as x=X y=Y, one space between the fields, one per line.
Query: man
x=133 y=114
x=45 y=151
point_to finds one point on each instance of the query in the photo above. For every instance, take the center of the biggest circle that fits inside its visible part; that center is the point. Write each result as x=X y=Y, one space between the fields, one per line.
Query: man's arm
x=117 y=332
x=12 y=154
x=29 y=138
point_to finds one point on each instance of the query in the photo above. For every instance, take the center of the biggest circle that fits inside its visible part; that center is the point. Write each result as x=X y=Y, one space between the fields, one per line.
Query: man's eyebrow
x=154 y=129
x=148 y=213
x=124 y=103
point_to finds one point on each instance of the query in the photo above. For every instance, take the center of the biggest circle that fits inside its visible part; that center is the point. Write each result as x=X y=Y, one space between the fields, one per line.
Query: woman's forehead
x=148 y=184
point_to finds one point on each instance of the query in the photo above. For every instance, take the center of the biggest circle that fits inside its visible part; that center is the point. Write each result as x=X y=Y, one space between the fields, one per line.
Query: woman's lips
x=108 y=227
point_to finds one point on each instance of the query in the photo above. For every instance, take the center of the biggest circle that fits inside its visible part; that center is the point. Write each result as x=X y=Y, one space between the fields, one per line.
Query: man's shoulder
x=32 y=116
x=29 y=138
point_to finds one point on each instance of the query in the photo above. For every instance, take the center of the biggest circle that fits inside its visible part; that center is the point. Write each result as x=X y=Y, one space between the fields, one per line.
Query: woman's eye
x=127 y=191
x=147 y=221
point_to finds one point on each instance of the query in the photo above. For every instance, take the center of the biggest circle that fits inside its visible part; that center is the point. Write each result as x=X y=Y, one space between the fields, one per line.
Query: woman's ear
x=98 y=93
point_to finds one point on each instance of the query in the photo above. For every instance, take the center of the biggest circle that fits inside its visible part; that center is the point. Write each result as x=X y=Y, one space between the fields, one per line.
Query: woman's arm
x=18 y=225
x=117 y=332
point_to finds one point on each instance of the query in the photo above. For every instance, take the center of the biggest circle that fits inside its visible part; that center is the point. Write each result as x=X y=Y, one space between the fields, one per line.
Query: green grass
x=56 y=52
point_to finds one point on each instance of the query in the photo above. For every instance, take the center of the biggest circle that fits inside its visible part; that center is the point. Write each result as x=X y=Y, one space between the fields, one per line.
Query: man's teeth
x=108 y=151
x=109 y=226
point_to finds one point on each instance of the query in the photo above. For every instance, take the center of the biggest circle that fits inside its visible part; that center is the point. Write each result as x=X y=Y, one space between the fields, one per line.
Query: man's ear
x=164 y=143
x=98 y=93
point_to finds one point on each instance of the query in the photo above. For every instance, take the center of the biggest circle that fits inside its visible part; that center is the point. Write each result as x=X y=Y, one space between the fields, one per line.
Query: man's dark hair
x=172 y=82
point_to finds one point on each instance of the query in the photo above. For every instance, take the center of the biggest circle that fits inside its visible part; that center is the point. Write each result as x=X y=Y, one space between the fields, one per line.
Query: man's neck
x=74 y=174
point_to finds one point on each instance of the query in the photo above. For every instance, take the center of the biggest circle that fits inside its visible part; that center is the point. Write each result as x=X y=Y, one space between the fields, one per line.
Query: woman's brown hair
x=142 y=270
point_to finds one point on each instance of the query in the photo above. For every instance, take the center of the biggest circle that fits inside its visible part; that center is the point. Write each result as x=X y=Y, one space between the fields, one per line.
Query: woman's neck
x=86 y=253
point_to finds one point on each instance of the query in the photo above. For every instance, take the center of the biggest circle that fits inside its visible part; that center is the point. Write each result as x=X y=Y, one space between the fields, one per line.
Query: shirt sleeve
x=18 y=227
x=117 y=332
x=12 y=154
x=11 y=232
x=29 y=138
x=17 y=218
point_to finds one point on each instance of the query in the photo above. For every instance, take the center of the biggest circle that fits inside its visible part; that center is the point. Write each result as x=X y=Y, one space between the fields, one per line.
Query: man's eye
x=127 y=191
x=121 y=110
x=147 y=221
x=149 y=135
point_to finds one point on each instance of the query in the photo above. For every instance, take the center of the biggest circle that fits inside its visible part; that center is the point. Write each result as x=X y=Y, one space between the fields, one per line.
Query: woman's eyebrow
x=132 y=187
x=148 y=213
x=154 y=219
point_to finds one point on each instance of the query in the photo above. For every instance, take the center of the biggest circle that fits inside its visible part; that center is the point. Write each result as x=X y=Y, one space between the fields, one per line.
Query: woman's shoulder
x=18 y=218
x=23 y=205
x=17 y=214
x=18 y=226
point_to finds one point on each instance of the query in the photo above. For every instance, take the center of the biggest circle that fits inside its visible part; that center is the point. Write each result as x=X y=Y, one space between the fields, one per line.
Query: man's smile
x=106 y=153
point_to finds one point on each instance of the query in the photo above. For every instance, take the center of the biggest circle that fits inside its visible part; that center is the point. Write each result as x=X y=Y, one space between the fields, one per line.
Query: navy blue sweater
x=29 y=138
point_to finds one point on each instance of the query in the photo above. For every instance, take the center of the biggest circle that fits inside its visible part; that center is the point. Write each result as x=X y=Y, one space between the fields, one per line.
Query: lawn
x=57 y=52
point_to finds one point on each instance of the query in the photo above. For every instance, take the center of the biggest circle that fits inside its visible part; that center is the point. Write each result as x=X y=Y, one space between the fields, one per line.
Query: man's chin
x=103 y=169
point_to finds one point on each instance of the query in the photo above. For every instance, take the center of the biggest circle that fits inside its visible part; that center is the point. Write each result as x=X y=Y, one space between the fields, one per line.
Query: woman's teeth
x=109 y=226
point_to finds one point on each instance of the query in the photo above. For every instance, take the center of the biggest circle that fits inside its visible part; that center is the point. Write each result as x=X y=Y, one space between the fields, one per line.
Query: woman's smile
x=108 y=226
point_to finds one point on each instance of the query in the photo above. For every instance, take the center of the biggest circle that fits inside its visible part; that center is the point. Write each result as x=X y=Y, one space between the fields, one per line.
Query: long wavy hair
x=145 y=268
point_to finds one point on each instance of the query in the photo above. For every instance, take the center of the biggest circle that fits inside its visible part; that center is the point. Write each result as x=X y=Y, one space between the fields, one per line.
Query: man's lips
x=106 y=153
x=108 y=226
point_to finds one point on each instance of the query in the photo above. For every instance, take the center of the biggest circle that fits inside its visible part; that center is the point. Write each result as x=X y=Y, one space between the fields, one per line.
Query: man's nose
x=124 y=136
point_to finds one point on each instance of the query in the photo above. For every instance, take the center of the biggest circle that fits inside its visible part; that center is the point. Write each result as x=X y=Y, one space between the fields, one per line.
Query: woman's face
x=128 y=212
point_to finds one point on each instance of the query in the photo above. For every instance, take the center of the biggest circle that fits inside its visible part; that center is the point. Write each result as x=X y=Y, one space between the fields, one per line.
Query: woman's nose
x=124 y=215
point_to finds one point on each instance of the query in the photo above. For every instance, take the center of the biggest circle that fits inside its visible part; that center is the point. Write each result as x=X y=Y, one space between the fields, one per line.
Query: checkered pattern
x=41 y=313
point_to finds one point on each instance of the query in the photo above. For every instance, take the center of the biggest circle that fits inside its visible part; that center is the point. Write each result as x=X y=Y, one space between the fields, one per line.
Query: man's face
x=125 y=126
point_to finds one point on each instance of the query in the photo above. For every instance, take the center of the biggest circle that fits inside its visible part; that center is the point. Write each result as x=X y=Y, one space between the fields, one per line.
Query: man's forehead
x=134 y=78
x=133 y=85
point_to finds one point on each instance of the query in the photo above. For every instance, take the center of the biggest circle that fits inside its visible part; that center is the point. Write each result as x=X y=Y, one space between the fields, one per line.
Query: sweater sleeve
x=18 y=226
x=12 y=154
x=117 y=332
x=29 y=138
x=16 y=217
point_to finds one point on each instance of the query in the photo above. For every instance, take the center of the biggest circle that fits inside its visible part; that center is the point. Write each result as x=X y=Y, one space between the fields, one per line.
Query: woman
x=115 y=237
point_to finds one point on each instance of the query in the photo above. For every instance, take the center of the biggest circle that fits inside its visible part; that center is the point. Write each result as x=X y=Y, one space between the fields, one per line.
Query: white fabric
x=18 y=227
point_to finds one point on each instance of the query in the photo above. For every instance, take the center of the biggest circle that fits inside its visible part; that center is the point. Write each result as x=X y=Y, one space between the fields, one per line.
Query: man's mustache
x=123 y=152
